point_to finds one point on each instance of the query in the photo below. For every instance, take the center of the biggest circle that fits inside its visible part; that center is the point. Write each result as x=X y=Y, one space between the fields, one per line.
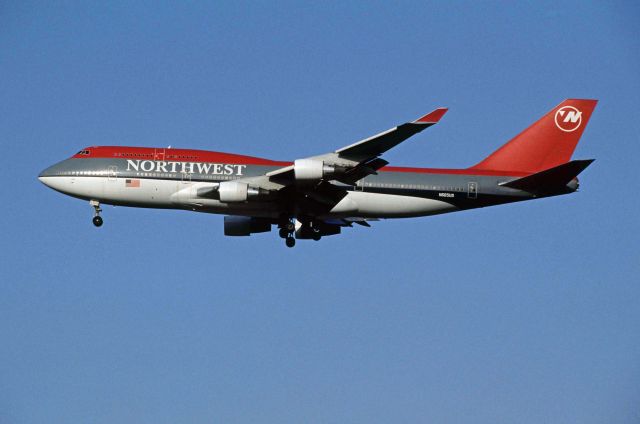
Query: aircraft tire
x=290 y=241
x=97 y=221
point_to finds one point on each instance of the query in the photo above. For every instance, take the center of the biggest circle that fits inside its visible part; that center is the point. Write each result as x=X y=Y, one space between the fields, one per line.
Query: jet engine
x=233 y=191
x=311 y=170
x=245 y=225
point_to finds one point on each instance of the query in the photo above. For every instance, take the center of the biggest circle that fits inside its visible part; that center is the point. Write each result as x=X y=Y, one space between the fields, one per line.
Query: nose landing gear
x=97 y=219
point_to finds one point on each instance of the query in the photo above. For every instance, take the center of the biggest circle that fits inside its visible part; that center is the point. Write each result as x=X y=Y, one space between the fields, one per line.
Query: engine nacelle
x=236 y=191
x=233 y=191
x=309 y=170
x=245 y=225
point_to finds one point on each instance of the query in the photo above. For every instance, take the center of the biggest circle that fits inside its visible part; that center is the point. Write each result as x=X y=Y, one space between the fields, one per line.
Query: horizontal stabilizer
x=550 y=180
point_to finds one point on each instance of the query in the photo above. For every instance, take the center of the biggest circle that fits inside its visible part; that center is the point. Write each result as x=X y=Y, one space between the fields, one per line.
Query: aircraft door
x=183 y=186
x=185 y=179
x=112 y=173
x=472 y=190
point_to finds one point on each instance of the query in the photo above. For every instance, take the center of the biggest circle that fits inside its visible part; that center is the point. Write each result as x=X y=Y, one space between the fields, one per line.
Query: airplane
x=318 y=196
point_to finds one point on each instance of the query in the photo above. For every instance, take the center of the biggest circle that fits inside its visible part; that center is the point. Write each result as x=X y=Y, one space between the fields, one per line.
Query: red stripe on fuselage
x=176 y=155
x=191 y=155
x=451 y=171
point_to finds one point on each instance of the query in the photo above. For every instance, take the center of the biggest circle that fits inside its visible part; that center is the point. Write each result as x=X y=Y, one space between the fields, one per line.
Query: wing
x=373 y=147
x=309 y=180
x=360 y=159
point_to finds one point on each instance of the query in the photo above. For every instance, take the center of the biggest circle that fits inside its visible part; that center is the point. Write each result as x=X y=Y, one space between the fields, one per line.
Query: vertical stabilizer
x=547 y=143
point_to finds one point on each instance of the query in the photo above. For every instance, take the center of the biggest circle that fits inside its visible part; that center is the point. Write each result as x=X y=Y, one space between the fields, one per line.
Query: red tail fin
x=547 y=143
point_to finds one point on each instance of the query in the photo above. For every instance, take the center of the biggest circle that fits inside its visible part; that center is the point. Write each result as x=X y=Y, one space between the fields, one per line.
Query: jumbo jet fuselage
x=170 y=178
x=327 y=192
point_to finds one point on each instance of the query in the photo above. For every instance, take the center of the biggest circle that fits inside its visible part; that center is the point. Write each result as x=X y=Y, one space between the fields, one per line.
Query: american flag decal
x=132 y=183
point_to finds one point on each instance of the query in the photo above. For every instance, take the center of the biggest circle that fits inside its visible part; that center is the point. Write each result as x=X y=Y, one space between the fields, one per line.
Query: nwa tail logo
x=568 y=118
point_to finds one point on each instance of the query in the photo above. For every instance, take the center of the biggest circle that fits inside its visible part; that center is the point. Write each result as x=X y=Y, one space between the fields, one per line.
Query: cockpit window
x=83 y=152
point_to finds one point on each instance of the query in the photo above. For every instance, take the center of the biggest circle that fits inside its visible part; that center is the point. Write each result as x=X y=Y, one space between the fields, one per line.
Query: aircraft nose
x=53 y=176
x=45 y=174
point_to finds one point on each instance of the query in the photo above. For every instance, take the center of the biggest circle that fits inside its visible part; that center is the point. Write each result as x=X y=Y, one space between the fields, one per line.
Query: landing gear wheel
x=283 y=233
x=290 y=241
x=316 y=236
x=97 y=220
x=290 y=227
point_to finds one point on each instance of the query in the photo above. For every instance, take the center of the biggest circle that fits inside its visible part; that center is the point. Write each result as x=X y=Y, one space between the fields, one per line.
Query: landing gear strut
x=287 y=229
x=309 y=230
x=97 y=219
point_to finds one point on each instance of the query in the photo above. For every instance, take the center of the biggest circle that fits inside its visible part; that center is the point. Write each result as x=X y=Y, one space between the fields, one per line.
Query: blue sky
x=524 y=313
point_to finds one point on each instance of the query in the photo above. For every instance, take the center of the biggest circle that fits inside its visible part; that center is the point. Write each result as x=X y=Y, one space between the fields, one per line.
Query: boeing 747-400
x=318 y=196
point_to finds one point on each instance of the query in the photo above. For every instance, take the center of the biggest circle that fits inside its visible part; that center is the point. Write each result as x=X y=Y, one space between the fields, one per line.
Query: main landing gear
x=309 y=229
x=97 y=219
x=287 y=230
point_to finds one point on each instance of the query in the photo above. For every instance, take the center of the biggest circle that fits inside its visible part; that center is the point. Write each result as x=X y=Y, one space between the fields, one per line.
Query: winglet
x=432 y=117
